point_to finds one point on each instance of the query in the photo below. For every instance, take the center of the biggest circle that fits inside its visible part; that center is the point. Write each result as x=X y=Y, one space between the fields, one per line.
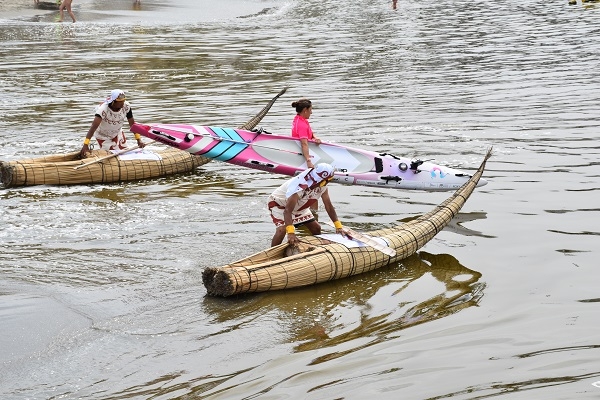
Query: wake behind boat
x=283 y=155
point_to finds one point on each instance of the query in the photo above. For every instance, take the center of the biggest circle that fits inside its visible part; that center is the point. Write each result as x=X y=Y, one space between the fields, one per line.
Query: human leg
x=66 y=4
x=314 y=227
x=278 y=237
x=61 y=10
x=69 y=10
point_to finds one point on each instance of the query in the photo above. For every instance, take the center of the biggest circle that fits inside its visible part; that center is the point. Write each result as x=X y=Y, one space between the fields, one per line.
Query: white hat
x=322 y=172
x=116 y=94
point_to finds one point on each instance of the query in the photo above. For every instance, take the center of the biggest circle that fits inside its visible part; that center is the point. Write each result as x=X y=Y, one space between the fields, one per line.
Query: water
x=100 y=288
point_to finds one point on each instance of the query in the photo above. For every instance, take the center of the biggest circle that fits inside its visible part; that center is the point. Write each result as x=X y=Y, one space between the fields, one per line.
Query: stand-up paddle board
x=283 y=155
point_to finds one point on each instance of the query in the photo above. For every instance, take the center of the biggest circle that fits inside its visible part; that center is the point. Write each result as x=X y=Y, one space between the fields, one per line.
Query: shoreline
x=179 y=11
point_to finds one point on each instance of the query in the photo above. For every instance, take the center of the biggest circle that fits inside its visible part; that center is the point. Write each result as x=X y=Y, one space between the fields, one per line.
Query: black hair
x=301 y=105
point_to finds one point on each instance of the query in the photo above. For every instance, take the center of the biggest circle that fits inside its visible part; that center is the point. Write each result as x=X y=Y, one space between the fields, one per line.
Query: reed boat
x=71 y=169
x=324 y=259
x=101 y=166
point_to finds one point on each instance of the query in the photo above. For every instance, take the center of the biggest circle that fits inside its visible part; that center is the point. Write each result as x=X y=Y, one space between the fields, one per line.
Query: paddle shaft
x=127 y=150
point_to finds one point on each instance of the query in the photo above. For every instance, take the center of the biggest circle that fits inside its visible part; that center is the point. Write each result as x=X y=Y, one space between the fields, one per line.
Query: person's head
x=117 y=99
x=303 y=107
x=321 y=174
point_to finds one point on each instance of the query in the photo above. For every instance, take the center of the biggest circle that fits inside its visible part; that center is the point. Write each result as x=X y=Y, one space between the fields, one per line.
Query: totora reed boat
x=102 y=166
x=323 y=259
x=71 y=169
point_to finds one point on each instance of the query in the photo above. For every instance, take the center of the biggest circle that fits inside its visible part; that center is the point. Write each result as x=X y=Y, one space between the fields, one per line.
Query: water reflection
x=368 y=309
x=456 y=225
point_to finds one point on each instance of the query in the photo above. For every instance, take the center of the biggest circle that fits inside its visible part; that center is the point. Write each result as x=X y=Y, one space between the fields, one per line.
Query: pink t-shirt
x=301 y=128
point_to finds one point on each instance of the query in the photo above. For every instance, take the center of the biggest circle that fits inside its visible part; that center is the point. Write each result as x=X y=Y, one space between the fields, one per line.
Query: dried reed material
x=60 y=169
x=251 y=124
x=271 y=270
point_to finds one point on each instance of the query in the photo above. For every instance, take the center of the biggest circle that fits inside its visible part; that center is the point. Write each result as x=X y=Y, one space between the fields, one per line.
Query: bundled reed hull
x=60 y=169
x=325 y=261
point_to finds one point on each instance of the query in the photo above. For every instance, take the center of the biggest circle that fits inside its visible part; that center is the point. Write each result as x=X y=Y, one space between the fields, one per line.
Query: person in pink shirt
x=301 y=128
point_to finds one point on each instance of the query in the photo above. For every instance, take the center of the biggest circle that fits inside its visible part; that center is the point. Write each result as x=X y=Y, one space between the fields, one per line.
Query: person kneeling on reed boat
x=107 y=126
x=290 y=204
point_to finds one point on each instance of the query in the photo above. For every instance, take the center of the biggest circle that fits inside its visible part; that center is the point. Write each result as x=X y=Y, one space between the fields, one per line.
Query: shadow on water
x=456 y=225
x=367 y=309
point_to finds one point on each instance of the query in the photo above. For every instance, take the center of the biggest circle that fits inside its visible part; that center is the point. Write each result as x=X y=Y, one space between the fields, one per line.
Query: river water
x=100 y=286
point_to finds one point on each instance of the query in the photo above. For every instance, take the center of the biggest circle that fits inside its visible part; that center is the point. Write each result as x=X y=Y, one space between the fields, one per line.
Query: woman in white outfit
x=290 y=203
x=107 y=126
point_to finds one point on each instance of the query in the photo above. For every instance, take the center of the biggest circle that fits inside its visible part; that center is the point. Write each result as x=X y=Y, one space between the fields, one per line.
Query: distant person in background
x=107 y=126
x=301 y=128
x=394 y=2
x=290 y=204
x=65 y=4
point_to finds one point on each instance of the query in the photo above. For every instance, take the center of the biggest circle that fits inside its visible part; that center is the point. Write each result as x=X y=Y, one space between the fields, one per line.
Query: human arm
x=290 y=205
x=136 y=136
x=306 y=153
x=331 y=212
x=86 y=142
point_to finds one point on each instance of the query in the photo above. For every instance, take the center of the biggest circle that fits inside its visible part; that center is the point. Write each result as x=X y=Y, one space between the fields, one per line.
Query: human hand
x=141 y=144
x=84 y=150
x=293 y=239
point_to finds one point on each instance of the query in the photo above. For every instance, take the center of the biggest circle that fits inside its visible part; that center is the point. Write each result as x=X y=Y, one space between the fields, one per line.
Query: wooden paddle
x=127 y=150
x=359 y=237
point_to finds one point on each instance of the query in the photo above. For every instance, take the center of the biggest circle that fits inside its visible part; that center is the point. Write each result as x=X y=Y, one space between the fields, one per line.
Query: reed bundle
x=272 y=270
x=60 y=169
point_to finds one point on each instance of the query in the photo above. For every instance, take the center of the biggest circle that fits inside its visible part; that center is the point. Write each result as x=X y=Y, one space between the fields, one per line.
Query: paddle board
x=283 y=155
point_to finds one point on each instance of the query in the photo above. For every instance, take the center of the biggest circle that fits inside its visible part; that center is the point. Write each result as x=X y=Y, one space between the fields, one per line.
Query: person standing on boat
x=301 y=128
x=290 y=203
x=107 y=126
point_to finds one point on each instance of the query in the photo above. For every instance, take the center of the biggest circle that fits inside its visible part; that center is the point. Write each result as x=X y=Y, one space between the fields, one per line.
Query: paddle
x=359 y=237
x=222 y=139
x=127 y=150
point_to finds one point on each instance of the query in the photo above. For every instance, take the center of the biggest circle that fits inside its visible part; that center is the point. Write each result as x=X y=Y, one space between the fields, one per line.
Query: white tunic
x=301 y=213
x=110 y=135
